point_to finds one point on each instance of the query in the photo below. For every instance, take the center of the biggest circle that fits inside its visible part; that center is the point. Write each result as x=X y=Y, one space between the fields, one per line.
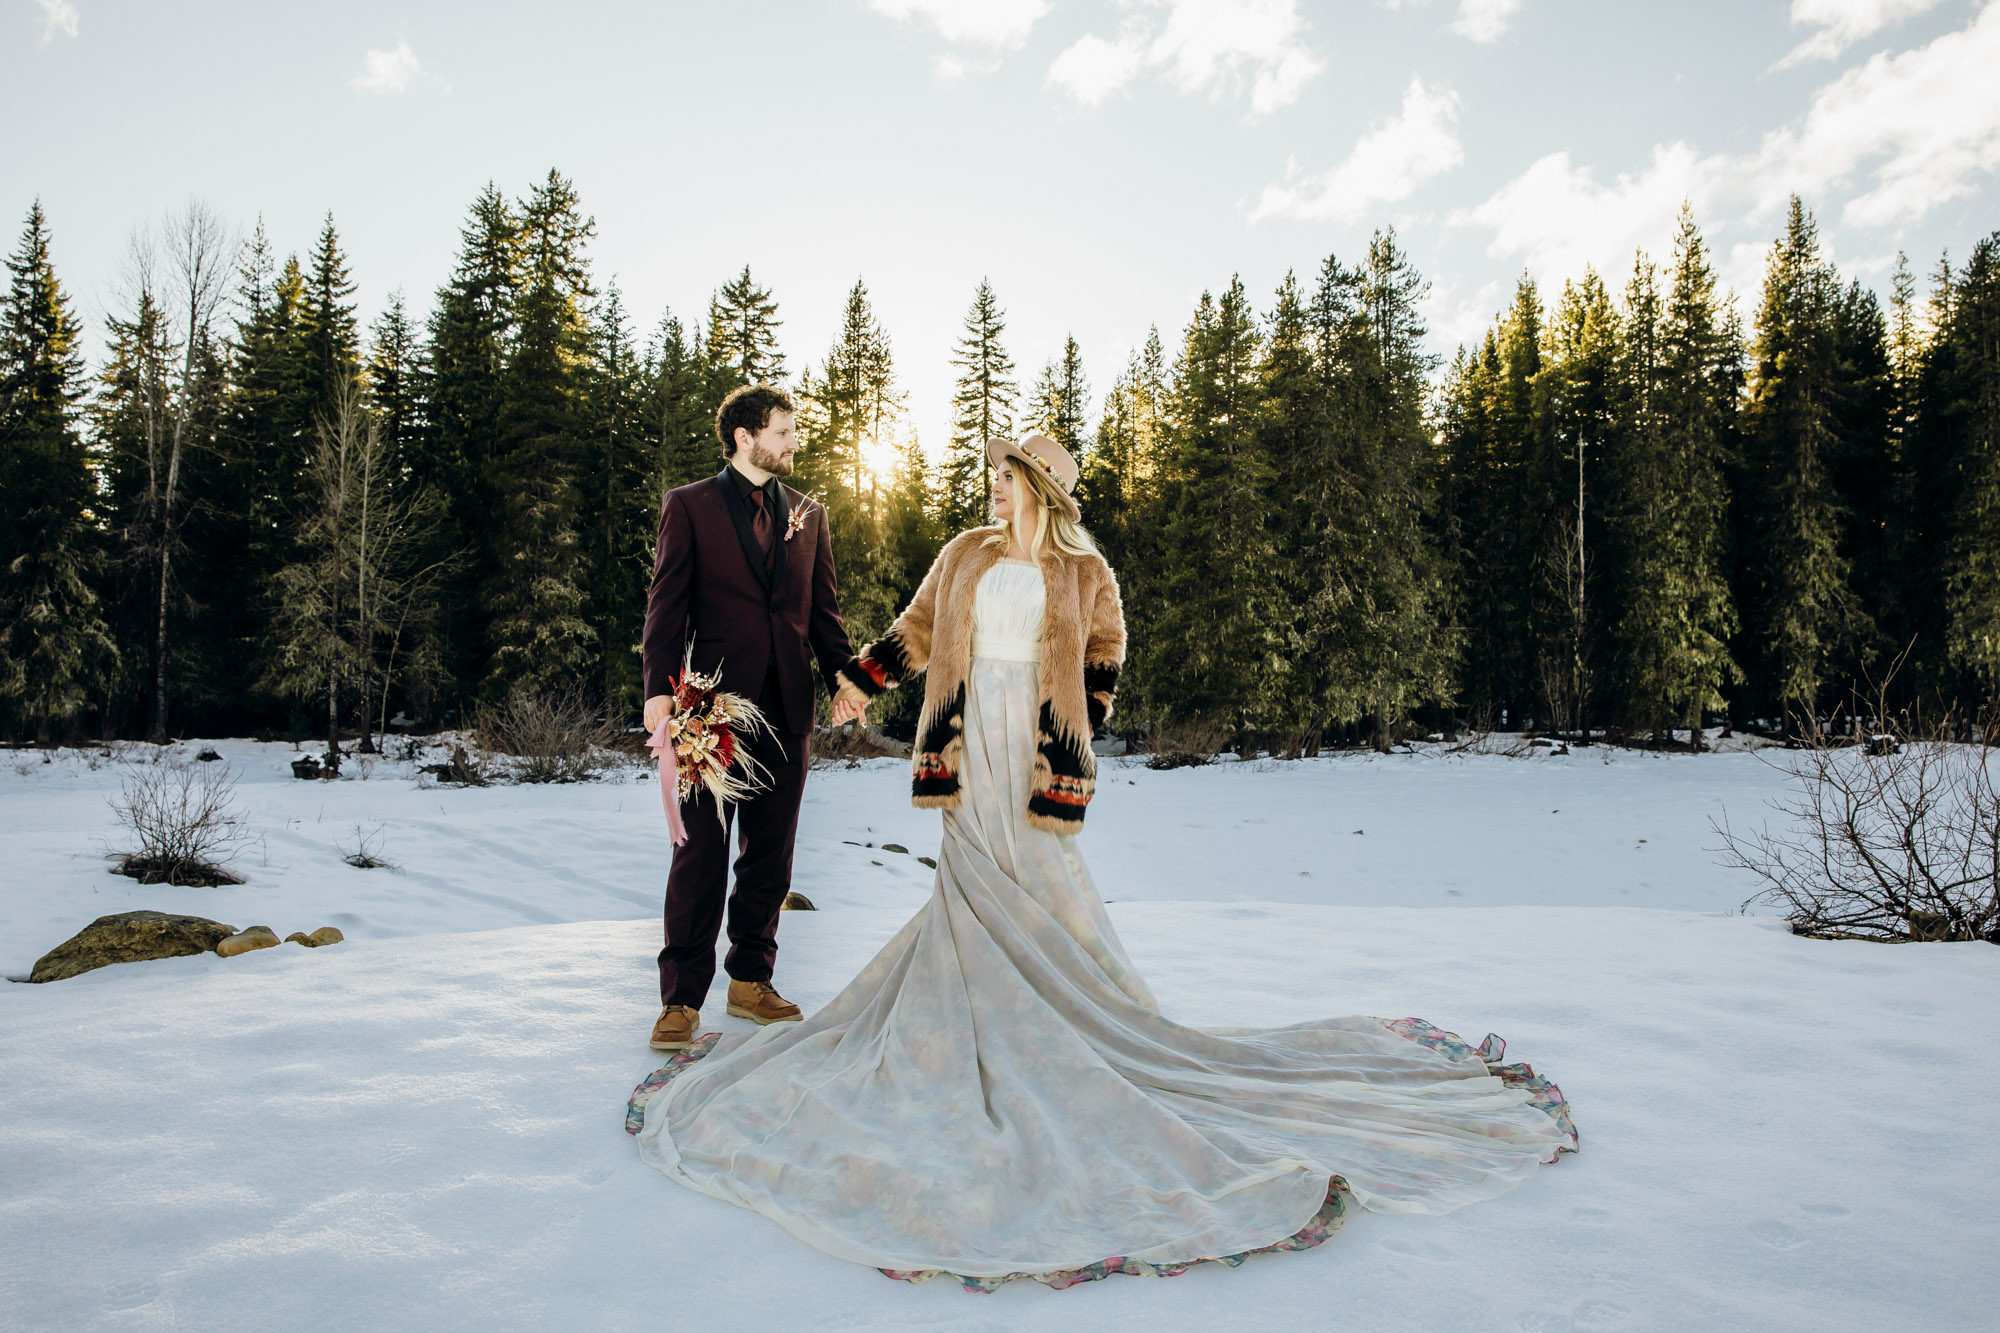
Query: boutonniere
x=796 y=520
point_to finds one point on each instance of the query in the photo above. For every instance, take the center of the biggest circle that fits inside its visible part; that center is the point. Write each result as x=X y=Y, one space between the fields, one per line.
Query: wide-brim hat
x=1045 y=456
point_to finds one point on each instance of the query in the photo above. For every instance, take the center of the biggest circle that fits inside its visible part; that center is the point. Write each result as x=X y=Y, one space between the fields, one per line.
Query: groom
x=742 y=573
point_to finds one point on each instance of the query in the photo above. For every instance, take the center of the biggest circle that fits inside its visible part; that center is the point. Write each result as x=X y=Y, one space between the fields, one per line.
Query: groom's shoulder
x=695 y=492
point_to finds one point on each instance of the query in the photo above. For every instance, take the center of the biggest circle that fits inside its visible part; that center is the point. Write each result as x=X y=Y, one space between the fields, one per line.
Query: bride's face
x=1003 y=493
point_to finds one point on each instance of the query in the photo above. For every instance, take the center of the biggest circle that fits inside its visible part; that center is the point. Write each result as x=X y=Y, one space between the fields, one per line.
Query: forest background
x=1628 y=507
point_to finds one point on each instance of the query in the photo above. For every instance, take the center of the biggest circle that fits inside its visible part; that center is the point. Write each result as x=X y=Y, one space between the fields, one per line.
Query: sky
x=1101 y=162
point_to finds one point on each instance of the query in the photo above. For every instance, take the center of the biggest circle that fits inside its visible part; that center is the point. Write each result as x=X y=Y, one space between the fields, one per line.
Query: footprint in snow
x=1778 y=1235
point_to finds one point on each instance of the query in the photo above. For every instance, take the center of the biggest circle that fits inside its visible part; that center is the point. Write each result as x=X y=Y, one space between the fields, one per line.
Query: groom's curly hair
x=749 y=407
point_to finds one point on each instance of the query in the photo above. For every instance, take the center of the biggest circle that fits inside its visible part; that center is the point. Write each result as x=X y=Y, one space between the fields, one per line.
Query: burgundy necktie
x=760 y=526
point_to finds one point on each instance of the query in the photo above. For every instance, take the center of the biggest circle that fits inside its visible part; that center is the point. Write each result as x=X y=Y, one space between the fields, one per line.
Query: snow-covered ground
x=422 y=1127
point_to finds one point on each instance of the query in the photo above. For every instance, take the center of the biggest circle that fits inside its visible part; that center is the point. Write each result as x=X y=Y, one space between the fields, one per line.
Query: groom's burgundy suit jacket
x=710 y=590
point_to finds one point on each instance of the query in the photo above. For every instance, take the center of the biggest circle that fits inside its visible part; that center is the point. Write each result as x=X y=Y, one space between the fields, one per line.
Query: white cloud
x=58 y=17
x=1842 y=23
x=1477 y=20
x=384 y=72
x=1211 y=46
x=1557 y=217
x=998 y=23
x=1387 y=163
x=1483 y=20
x=1896 y=137
x=1927 y=121
x=1093 y=69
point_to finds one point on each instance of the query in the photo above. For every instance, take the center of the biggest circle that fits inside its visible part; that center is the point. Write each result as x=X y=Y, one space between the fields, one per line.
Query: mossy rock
x=129 y=937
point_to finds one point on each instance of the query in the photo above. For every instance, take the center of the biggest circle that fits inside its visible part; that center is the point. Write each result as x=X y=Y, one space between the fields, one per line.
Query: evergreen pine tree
x=1215 y=650
x=1575 y=401
x=470 y=331
x=1672 y=614
x=684 y=391
x=619 y=503
x=396 y=384
x=539 y=635
x=849 y=417
x=743 y=329
x=329 y=342
x=1060 y=400
x=1805 y=613
x=1961 y=414
x=54 y=642
x=1493 y=437
x=982 y=405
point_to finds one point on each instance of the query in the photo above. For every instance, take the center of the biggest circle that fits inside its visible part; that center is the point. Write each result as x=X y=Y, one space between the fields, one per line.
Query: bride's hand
x=848 y=705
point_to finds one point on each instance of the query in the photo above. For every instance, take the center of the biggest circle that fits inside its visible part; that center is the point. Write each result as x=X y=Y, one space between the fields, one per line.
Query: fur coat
x=1083 y=646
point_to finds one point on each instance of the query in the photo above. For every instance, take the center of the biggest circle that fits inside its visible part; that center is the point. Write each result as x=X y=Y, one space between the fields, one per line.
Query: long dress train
x=996 y=1095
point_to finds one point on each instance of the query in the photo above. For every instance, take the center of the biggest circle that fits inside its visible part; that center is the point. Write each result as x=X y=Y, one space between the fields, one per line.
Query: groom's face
x=772 y=447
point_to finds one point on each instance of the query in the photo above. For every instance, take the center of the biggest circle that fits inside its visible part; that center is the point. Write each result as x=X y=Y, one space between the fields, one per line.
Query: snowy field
x=422 y=1127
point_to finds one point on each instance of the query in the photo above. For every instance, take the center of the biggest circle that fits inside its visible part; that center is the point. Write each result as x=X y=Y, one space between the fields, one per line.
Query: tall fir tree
x=619 y=502
x=328 y=330
x=1579 y=423
x=743 y=329
x=685 y=390
x=850 y=415
x=539 y=635
x=982 y=406
x=471 y=330
x=1215 y=649
x=1493 y=434
x=1061 y=400
x=1961 y=417
x=1400 y=636
x=55 y=645
x=1805 y=615
x=1672 y=615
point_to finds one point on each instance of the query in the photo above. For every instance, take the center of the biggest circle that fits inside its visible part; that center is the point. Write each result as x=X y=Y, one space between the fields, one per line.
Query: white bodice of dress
x=1007 y=613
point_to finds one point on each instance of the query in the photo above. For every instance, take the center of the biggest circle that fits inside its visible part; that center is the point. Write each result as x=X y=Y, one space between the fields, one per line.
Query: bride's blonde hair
x=1053 y=525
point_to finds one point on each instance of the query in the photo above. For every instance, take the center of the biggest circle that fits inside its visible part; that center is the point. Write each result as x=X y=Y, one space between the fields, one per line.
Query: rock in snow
x=256 y=937
x=129 y=937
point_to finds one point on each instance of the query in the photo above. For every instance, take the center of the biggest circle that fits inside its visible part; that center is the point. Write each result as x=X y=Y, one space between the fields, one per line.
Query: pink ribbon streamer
x=662 y=746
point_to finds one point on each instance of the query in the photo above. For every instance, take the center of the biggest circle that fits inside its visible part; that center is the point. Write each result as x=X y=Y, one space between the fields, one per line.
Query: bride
x=997 y=1094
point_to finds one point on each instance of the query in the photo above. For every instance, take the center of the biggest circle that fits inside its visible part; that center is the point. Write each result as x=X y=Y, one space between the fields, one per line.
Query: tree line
x=1628 y=513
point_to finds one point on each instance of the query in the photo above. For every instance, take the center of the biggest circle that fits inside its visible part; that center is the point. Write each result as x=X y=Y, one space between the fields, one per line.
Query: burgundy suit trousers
x=765 y=827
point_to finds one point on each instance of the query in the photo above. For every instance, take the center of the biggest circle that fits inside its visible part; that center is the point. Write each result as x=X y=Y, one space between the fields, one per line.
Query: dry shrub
x=1185 y=744
x=555 y=736
x=1896 y=839
x=1481 y=736
x=184 y=816
x=364 y=852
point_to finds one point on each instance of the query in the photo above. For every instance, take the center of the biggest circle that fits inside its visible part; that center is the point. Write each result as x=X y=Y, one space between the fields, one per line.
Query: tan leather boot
x=755 y=1000
x=674 y=1031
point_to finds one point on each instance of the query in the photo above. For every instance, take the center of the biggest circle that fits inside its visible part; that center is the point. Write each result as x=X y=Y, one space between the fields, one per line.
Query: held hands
x=848 y=705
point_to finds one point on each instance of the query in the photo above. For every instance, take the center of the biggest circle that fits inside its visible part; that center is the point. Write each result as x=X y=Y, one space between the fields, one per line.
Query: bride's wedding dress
x=997 y=1094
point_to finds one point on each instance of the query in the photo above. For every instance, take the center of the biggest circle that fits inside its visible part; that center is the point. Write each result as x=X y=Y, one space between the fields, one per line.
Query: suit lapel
x=739 y=513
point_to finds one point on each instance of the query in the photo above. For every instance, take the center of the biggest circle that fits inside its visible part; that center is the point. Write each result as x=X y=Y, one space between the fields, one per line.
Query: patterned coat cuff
x=882 y=665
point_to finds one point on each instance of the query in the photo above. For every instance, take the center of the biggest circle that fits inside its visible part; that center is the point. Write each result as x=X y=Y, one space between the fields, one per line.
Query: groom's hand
x=657 y=709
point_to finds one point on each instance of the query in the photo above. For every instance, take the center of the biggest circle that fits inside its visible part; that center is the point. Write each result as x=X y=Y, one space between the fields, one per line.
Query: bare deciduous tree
x=1894 y=839
x=351 y=585
x=182 y=267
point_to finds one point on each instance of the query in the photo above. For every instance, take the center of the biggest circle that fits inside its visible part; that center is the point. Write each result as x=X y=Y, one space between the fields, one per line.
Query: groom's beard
x=778 y=465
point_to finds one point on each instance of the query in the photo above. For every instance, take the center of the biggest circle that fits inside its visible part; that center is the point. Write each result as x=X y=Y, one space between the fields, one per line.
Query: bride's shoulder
x=970 y=540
